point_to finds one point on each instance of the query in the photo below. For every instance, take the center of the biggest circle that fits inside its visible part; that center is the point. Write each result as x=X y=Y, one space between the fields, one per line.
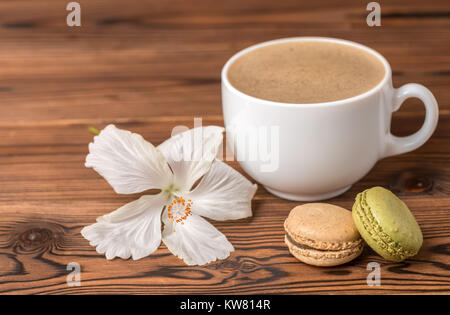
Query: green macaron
x=386 y=224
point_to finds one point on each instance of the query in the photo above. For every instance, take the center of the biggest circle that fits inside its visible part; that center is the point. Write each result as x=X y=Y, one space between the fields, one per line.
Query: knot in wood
x=36 y=237
x=411 y=182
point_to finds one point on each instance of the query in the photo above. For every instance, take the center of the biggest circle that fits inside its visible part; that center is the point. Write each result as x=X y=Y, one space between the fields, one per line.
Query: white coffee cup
x=320 y=149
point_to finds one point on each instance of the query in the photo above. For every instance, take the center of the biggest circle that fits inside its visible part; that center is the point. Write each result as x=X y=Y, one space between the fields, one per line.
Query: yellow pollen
x=179 y=209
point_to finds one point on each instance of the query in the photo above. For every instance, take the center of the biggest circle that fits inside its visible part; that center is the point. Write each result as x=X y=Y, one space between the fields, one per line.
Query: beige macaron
x=323 y=235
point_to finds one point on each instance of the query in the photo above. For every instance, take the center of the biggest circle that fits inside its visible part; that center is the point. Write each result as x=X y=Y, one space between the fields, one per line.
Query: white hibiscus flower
x=132 y=165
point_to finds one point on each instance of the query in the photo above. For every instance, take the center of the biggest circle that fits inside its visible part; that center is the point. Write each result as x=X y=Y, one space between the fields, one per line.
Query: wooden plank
x=47 y=196
x=154 y=61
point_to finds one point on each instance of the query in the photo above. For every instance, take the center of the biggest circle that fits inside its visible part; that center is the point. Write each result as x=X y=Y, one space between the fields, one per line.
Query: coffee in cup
x=302 y=72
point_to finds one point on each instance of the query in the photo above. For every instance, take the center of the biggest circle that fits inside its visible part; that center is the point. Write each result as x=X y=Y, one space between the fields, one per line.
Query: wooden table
x=149 y=66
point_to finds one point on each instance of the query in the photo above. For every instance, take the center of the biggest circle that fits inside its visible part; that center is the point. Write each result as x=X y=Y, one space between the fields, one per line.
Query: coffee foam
x=306 y=72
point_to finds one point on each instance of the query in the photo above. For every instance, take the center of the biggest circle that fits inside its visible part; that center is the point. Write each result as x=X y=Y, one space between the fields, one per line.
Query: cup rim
x=375 y=89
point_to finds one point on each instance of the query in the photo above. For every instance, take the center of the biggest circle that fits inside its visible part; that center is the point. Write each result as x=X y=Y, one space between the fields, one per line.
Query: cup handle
x=398 y=145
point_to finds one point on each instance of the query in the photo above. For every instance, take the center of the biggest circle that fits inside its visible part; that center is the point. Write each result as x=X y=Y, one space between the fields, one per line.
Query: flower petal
x=222 y=194
x=132 y=230
x=196 y=241
x=191 y=153
x=128 y=162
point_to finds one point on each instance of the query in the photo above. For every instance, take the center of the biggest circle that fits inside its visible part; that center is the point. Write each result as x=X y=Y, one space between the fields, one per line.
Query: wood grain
x=149 y=66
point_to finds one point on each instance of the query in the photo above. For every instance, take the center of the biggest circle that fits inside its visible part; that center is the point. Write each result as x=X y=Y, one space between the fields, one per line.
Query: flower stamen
x=179 y=209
